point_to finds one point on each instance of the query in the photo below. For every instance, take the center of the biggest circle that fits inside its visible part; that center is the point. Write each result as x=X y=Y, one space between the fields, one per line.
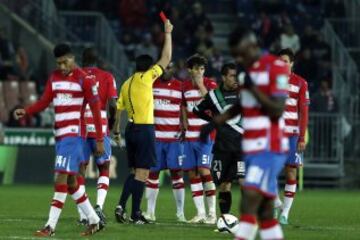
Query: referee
x=227 y=164
x=136 y=97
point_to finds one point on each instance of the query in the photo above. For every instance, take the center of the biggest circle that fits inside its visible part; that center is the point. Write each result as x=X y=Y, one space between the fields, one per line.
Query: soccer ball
x=227 y=223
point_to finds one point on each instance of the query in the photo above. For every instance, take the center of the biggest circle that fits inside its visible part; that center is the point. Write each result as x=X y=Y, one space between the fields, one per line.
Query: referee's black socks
x=126 y=192
x=138 y=188
x=225 y=200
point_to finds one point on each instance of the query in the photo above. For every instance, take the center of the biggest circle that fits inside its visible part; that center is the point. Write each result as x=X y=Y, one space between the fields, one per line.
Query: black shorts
x=140 y=145
x=227 y=166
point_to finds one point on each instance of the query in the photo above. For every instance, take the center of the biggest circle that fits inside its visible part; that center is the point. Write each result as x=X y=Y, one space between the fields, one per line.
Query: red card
x=163 y=16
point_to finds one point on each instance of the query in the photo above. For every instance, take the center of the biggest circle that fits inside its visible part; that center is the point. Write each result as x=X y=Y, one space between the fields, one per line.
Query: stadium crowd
x=279 y=24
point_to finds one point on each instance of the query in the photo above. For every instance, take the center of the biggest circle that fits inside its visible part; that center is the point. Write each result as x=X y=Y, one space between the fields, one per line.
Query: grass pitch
x=317 y=214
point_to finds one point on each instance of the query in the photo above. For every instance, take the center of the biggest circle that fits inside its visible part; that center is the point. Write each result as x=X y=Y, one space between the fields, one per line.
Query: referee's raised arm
x=167 y=48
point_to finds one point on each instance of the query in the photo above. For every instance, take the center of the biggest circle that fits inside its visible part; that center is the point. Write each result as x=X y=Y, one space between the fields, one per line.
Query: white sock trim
x=180 y=180
x=290 y=187
x=246 y=230
x=103 y=180
x=59 y=196
x=195 y=187
x=274 y=232
x=209 y=186
x=78 y=194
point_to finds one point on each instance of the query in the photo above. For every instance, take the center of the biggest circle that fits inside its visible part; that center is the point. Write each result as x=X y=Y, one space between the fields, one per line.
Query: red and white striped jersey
x=167 y=109
x=261 y=132
x=69 y=95
x=192 y=97
x=105 y=82
x=298 y=99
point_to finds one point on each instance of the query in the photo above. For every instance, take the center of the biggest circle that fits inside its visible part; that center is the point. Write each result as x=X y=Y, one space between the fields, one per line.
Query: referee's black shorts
x=227 y=166
x=140 y=145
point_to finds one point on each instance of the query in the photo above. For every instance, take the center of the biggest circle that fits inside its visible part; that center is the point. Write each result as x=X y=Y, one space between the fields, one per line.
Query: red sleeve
x=304 y=98
x=43 y=102
x=303 y=106
x=112 y=91
x=91 y=96
x=279 y=78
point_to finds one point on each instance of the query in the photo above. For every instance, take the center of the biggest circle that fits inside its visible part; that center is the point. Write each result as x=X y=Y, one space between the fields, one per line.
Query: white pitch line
x=184 y=225
x=335 y=228
x=27 y=238
x=15 y=220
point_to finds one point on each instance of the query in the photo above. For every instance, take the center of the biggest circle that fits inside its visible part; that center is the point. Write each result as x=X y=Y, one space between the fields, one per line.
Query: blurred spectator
x=129 y=45
x=216 y=61
x=196 y=19
x=244 y=7
x=306 y=67
x=308 y=38
x=181 y=40
x=324 y=100
x=202 y=43
x=22 y=63
x=7 y=54
x=157 y=34
x=6 y=47
x=147 y=47
x=179 y=32
x=321 y=49
x=282 y=19
x=181 y=72
x=133 y=13
x=334 y=9
x=289 y=39
x=263 y=26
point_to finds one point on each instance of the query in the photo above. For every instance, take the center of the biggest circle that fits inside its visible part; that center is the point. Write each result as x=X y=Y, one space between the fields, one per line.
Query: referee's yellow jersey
x=136 y=96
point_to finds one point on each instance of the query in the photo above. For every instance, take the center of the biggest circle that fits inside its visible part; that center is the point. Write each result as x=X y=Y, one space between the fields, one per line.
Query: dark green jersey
x=228 y=136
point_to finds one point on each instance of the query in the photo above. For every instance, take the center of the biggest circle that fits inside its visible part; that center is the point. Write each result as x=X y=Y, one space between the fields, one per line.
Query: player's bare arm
x=166 y=53
x=116 y=128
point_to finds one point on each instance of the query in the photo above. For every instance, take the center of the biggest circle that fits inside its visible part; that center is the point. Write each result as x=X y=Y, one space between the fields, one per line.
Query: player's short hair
x=89 y=57
x=287 y=52
x=238 y=34
x=143 y=62
x=226 y=67
x=62 y=49
x=196 y=60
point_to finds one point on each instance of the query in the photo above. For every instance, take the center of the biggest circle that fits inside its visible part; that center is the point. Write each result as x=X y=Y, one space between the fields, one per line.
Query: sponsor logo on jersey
x=94 y=90
x=282 y=81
